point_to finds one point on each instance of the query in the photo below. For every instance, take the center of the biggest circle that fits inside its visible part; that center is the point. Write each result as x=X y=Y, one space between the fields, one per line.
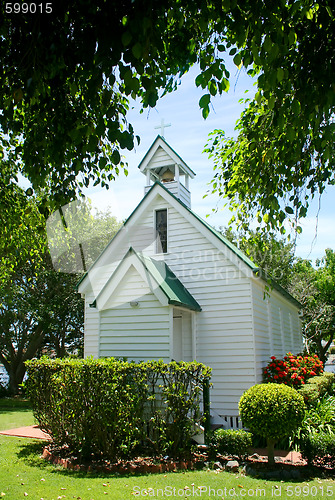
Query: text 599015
x=28 y=8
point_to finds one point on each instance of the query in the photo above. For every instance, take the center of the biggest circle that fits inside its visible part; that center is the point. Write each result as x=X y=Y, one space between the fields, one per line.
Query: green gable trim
x=168 y=282
x=255 y=269
x=272 y=284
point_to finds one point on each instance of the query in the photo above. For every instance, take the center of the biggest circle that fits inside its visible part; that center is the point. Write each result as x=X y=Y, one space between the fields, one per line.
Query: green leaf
x=204 y=101
x=126 y=38
x=200 y=81
x=212 y=87
x=115 y=158
x=238 y=59
x=205 y=112
x=289 y=210
x=137 y=50
x=225 y=84
x=280 y=74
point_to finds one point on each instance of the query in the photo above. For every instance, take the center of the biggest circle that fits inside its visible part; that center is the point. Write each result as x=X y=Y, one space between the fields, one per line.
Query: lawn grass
x=23 y=473
x=15 y=413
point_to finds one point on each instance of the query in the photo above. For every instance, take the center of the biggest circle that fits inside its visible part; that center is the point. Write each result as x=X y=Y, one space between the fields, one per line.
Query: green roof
x=168 y=282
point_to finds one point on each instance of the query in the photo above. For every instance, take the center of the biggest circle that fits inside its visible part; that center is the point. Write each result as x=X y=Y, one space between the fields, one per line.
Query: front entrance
x=182 y=335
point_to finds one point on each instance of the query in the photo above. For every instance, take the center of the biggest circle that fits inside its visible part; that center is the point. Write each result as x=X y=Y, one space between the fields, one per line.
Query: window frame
x=159 y=250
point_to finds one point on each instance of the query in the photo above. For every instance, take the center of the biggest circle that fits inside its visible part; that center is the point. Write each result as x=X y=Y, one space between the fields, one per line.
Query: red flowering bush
x=292 y=370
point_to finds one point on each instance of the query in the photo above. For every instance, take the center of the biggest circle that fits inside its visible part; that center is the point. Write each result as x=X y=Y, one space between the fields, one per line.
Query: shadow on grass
x=14 y=404
x=31 y=453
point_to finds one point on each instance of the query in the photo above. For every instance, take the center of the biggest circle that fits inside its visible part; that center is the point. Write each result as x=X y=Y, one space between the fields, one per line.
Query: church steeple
x=162 y=164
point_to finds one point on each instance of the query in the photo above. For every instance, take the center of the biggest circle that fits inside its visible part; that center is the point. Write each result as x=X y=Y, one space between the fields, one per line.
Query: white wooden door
x=177 y=338
x=182 y=335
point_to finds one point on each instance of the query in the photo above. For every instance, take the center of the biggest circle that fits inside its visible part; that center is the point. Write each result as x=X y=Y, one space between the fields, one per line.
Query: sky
x=188 y=135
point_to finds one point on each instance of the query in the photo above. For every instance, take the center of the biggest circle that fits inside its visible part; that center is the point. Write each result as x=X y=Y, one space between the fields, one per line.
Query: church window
x=161 y=231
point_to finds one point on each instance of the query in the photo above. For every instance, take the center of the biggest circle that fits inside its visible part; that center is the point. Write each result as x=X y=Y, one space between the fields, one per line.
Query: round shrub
x=231 y=442
x=272 y=410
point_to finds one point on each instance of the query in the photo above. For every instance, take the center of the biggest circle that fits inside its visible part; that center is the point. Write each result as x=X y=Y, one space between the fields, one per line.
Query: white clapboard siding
x=137 y=333
x=225 y=322
x=91 y=328
x=160 y=158
x=276 y=326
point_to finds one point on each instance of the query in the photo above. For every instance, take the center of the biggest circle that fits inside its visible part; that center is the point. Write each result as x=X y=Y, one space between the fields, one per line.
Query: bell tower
x=162 y=164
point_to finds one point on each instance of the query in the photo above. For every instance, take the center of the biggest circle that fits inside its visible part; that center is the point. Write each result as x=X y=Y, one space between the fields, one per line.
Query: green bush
x=272 y=411
x=108 y=408
x=231 y=442
x=317 y=387
x=318 y=446
x=310 y=393
x=319 y=418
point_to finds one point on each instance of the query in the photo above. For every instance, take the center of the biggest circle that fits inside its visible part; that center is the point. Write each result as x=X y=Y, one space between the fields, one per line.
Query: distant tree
x=312 y=286
x=40 y=310
x=275 y=256
x=315 y=290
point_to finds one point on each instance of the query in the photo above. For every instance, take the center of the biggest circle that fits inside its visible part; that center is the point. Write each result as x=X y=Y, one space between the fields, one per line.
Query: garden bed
x=138 y=465
x=254 y=465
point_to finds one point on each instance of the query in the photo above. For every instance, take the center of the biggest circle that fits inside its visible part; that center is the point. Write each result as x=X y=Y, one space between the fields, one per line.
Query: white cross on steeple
x=162 y=126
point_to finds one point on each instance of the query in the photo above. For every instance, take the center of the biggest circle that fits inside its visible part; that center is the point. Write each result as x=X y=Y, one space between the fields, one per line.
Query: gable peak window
x=161 y=230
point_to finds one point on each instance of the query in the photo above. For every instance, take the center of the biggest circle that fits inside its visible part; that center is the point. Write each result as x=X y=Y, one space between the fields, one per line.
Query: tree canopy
x=40 y=310
x=284 y=151
x=67 y=74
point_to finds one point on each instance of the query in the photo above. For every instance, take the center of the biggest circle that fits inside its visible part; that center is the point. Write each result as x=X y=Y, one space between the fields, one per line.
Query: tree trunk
x=16 y=375
x=14 y=363
x=271 y=451
x=322 y=349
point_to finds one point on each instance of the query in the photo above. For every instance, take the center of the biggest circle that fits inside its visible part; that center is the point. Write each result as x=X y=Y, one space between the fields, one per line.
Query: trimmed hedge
x=317 y=387
x=107 y=408
x=318 y=446
x=231 y=442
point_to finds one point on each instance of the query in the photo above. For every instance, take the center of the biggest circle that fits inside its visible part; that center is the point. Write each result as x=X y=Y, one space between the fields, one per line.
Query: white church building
x=169 y=286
